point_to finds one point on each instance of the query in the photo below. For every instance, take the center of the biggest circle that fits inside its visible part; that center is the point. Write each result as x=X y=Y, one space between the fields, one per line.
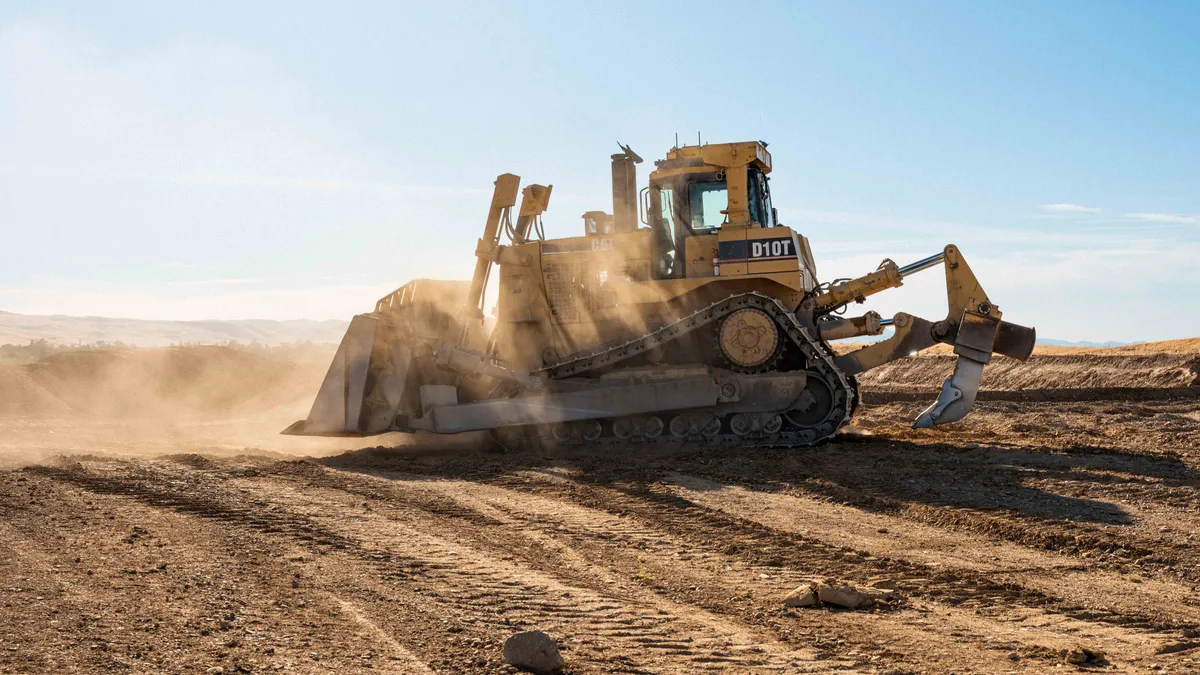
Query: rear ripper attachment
x=705 y=326
x=973 y=325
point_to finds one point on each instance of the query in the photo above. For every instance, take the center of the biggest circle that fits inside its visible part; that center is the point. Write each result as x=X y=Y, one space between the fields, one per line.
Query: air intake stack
x=624 y=189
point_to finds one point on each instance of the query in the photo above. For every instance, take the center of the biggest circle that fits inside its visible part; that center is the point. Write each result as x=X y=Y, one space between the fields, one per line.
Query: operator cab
x=690 y=196
x=708 y=213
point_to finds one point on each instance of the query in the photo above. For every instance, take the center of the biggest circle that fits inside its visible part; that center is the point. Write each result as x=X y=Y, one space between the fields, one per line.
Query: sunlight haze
x=225 y=160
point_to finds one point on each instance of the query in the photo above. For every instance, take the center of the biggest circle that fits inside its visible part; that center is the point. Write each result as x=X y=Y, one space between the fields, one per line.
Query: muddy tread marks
x=194 y=502
x=761 y=544
x=439 y=571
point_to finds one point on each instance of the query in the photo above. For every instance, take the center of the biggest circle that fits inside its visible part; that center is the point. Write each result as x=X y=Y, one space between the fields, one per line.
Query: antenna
x=697 y=139
x=677 y=139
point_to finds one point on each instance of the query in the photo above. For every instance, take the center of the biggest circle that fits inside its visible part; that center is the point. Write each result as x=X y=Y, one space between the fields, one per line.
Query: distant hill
x=71 y=330
x=1065 y=343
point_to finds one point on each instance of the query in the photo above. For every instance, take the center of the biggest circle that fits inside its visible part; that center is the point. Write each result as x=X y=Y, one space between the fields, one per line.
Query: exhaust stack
x=624 y=189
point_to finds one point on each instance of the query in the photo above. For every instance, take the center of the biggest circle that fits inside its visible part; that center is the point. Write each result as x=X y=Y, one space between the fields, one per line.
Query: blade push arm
x=503 y=198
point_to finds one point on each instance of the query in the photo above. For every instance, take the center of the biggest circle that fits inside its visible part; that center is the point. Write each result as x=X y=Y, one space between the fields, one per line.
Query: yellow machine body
x=690 y=314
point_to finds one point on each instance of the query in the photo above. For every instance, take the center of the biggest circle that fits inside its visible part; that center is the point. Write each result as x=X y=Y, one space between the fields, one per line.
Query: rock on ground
x=844 y=596
x=533 y=650
x=1082 y=655
x=802 y=596
x=816 y=593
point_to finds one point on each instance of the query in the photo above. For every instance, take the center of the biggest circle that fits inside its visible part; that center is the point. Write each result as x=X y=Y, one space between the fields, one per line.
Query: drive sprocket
x=749 y=340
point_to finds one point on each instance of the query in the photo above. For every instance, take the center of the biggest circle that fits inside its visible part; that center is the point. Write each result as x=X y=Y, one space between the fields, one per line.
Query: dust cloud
x=227 y=401
x=149 y=402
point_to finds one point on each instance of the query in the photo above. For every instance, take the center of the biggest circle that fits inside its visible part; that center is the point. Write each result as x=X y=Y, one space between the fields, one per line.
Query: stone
x=846 y=596
x=802 y=596
x=1082 y=655
x=534 y=651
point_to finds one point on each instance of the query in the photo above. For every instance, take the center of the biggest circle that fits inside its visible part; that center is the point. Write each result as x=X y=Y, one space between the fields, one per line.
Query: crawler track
x=820 y=411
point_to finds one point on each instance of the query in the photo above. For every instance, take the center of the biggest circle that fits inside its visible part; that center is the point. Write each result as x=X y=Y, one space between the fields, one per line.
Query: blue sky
x=285 y=160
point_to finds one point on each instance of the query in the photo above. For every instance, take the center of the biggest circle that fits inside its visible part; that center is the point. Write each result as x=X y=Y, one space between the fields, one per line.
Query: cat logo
x=602 y=244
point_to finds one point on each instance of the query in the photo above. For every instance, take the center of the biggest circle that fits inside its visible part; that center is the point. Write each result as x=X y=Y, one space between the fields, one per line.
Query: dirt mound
x=22 y=394
x=1183 y=346
x=151 y=382
x=1170 y=368
x=1080 y=371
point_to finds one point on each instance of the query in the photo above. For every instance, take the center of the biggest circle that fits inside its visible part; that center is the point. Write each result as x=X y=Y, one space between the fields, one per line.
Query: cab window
x=664 y=231
x=708 y=200
x=760 y=200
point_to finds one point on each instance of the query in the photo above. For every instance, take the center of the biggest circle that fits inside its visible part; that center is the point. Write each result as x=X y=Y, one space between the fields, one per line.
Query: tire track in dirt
x=620 y=617
x=764 y=544
x=693 y=574
x=409 y=662
x=413 y=622
x=618 y=562
x=621 y=534
x=1075 y=581
x=1146 y=429
x=460 y=579
x=1074 y=497
x=1088 y=490
x=1059 y=620
x=568 y=550
x=131 y=587
x=946 y=475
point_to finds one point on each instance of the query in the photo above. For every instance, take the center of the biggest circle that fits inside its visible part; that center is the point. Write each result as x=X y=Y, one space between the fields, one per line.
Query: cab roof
x=723 y=155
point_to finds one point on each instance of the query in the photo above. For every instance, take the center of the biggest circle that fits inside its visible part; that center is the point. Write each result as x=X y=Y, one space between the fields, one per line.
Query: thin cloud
x=1165 y=218
x=1070 y=208
x=269 y=181
x=175 y=302
x=228 y=281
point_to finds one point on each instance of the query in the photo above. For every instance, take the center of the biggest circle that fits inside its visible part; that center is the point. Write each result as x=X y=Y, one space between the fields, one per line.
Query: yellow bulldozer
x=688 y=315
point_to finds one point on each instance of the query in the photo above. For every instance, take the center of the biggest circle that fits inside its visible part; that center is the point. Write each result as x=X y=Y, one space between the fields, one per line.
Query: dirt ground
x=181 y=540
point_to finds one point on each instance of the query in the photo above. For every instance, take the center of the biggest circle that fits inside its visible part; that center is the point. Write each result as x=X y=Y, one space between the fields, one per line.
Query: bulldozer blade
x=957 y=396
x=338 y=408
